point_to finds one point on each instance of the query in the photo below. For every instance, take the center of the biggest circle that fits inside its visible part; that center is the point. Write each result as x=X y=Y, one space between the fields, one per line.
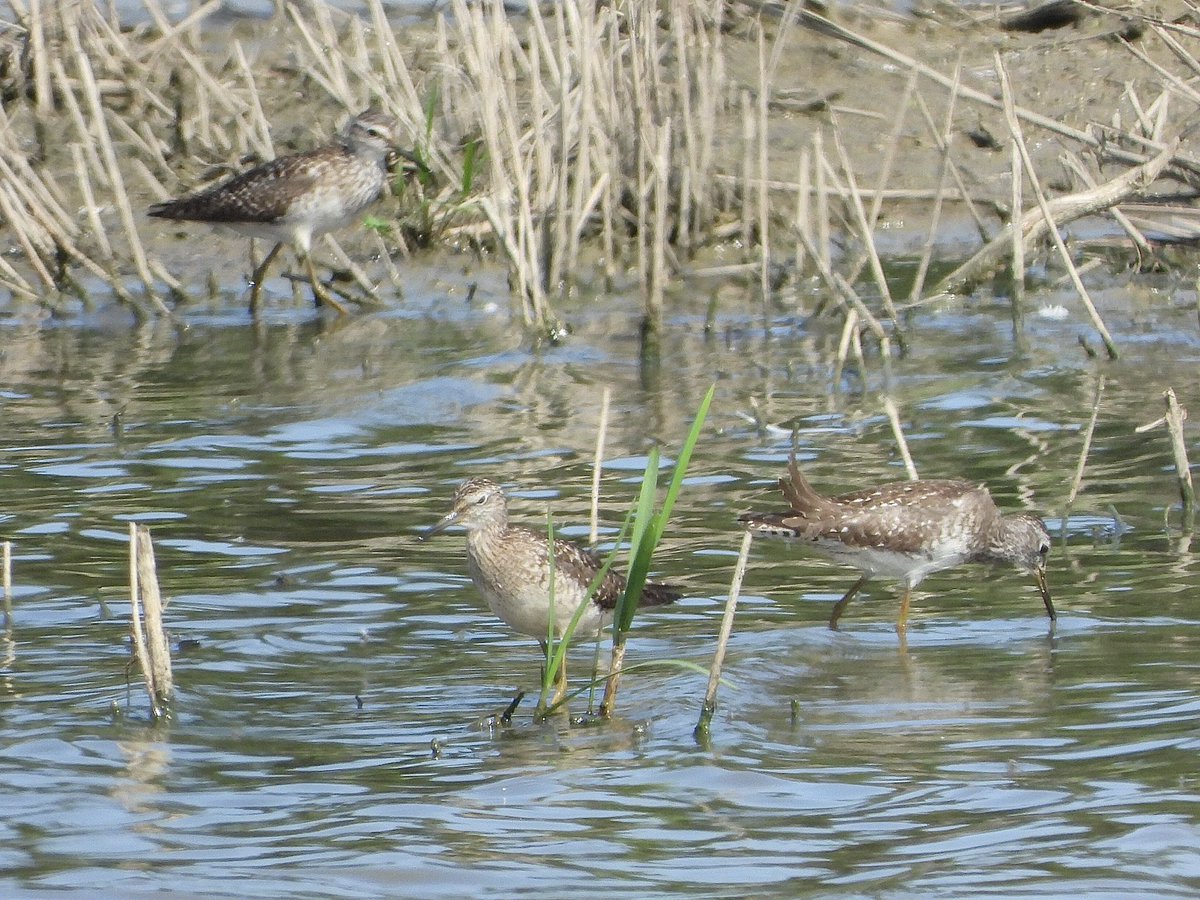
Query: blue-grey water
x=334 y=676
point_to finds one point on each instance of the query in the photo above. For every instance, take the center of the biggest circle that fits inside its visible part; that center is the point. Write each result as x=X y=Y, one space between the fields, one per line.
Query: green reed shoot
x=648 y=528
x=556 y=650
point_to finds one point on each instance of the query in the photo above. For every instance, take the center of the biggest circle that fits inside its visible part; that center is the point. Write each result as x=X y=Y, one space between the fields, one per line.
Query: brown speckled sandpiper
x=906 y=531
x=510 y=566
x=299 y=197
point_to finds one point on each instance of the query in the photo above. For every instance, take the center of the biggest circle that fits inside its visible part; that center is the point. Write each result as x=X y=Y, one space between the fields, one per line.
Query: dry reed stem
x=153 y=607
x=1188 y=165
x=146 y=606
x=1052 y=227
x=849 y=330
x=1033 y=224
x=746 y=215
x=1017 y=267
x=1072 y=162
x=893 y=414
x=764 y=207
x=597 y=466
x=867 y=235
x=803 y=209
x=824 y=247
x=944 y=145
x=1176 y=414
x=113 y=172
x=1087 y=446
x=90 y=207
x=935 y=216
x=6 y=574
x=902 y=194
x=709 y=708
x=660 y=165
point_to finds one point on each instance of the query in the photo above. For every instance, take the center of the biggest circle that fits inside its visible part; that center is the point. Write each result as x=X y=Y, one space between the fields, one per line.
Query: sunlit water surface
x=334 y=674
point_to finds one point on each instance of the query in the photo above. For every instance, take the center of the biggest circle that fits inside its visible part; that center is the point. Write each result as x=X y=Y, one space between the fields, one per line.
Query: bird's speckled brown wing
x=903 y=517
x=582 y=565
x=263 y=194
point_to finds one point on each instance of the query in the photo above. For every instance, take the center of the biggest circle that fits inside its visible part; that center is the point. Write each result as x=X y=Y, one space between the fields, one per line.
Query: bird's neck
x=1000 y=540
x=487 y=534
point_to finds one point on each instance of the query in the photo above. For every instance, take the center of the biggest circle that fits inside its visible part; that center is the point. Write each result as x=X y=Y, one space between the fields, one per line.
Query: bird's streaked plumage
x=510 y=566
x=298 y=197
x=906 y=531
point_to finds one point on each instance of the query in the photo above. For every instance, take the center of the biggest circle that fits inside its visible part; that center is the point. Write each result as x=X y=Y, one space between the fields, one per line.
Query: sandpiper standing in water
x=510 y=566
x=299 y=197
x=906 y=531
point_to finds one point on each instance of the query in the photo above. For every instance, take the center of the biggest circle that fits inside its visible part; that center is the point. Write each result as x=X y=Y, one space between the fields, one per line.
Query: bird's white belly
x=524 y=604
x=881 y=563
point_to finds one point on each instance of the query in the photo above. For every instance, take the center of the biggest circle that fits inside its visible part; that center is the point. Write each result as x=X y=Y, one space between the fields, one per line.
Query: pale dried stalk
x=1019 y=139
x=893 y=414
x=1174 y=419
x=1017 y=266
x=153 y=607
x=1081 y=171
x=803 y=209
x=91 y=209
x=1087 y=444
x=714 y=672
x=658 y=259
x=764 y=207
x=597 y=466
x=935 y=216
x=868 y=235
x=1033 y=224
x=6 y=573
x=139 y=578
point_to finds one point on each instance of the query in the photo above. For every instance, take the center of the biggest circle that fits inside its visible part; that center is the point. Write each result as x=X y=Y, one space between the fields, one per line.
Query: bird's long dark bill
x=446 y=521
x=1042 y=586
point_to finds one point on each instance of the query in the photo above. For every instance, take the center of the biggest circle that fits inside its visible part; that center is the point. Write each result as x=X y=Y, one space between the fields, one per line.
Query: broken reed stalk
x=944 y=145
x=867 y=236
x=1174 y=421
x=1087 y=446
x=146 y=621
x=803 y=210
x=597 y=466
x=1032 y=224
x=893 y=414
x=764 y=205
x=709 y=708
x=935 y=214
x=7 y=576
x=1081 y=172
x=1014 y=127
x=1017 y=266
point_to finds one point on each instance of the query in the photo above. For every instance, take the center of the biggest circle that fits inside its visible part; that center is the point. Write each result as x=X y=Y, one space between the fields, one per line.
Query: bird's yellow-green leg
x=259 y=274
x=902 y=622
x=560 y=683
x=840 y=606
x=320 y=293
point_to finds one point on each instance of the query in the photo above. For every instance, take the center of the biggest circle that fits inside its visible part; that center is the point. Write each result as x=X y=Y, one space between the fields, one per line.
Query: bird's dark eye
x=1044 y=550
x=482 y=498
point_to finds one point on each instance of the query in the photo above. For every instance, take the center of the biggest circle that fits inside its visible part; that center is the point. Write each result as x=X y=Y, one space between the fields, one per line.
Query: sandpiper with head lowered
x=299 y=197
x=906 y=531
x=510 y=566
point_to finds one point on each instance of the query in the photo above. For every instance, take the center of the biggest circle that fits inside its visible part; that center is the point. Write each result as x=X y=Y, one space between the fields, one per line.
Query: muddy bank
x=789 y=148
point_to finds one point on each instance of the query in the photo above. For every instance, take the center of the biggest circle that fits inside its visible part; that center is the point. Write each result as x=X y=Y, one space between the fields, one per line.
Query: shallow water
x=286 y=467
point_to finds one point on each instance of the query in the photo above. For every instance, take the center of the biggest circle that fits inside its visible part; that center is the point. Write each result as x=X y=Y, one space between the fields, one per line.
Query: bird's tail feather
x=657 y=594
x=801 y=495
